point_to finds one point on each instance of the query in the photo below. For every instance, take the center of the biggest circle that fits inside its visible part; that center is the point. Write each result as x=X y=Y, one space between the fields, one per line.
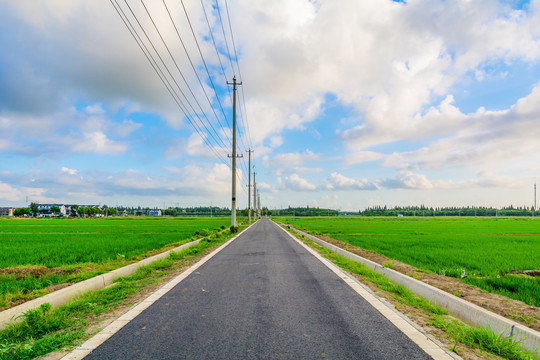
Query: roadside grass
x=44 y=330
x=457 y=331
x=38 y=256
x=478 y=251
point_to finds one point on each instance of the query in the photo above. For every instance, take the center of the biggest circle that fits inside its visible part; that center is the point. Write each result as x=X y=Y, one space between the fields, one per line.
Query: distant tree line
x=302 y=211
x=447 y=211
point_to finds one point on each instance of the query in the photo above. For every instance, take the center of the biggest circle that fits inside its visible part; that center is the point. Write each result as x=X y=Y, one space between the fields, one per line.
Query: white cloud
x=408 y=180
x=296 y=183
x=97 y=142
x=362 y=156
x=338 y=182
x=484 y=139
x=9 y=193
x=291 y=159
x=276 y=141
x=69 y=171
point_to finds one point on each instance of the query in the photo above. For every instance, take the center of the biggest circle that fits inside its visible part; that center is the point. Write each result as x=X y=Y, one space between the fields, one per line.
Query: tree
x=74 y=210
x=55 y=209
x=34 y=209
x=21 y=211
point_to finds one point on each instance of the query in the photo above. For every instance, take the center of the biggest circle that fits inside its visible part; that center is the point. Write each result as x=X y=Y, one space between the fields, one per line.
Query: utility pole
x=234 y=156
x=259 y=203
x=249 y=185
x=254 y=197
x=534 y=209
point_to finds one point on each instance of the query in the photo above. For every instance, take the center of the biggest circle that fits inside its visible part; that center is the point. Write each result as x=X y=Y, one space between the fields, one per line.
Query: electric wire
x=171 y=90
x=214 y=42
x=202 y=57
x=161 y=75
x=218 y=55
x=229 y=57
x=196 y=73
x=246 y=123
x=181 y=74
x=224 y=37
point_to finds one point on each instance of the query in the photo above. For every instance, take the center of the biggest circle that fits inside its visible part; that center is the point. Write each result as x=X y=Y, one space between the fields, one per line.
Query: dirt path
x=512 y=309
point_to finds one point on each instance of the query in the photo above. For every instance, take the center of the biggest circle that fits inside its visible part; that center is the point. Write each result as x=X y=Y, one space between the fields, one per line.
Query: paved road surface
x=262 y=297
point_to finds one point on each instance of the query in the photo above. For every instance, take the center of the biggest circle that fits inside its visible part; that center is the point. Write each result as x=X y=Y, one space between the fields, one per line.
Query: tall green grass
x=60 y=242
x=479 y=251
x=44 y=329
x=84 y=247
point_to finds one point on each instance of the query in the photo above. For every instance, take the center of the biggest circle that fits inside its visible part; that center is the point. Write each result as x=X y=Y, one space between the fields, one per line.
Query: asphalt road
x=262 y=297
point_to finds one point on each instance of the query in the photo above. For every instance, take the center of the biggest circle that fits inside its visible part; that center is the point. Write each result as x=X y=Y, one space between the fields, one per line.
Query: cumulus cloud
x=481 y=139
x=408 y=180
x=69 y=171
x=9 y=193
x=296 y=183
x=290 y=159
x=362 y=156
x=337 y=181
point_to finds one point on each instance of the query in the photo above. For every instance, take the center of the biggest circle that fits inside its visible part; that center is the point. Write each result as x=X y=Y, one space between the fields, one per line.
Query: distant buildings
x=46 y=210
x=6 y=211
x=154 y=212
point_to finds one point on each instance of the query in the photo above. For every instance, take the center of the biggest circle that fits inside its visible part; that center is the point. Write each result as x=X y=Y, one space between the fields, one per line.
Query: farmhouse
x=154 y=212
x=45 y=209
x=6 y=211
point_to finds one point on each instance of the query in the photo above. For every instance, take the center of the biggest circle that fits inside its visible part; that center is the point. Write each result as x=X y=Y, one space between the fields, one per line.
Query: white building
x=6 y=211
x=46 y=209
x=154 y=212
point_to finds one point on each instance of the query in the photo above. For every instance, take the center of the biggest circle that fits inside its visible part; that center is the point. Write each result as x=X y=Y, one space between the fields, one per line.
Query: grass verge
x=459 y=333
x=44 y=330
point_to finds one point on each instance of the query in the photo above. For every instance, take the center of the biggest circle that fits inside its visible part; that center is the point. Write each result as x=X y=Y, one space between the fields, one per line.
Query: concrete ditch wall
x=64 y=295
x=464 y=310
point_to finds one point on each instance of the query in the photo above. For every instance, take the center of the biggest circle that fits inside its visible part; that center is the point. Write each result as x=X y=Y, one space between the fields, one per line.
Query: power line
x=181 y=74
x=159 y=71
x=232 y=38
x=246 y=123
x=202 y=57
x=214 y=42
x=224 y=37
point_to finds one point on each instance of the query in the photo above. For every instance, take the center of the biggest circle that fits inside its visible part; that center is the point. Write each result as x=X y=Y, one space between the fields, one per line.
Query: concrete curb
x=466 y=311
x=64 y=295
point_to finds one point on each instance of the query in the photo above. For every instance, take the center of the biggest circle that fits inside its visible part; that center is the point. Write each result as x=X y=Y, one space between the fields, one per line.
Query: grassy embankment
x=44 y=330
x=39 y=255
x=463 y=339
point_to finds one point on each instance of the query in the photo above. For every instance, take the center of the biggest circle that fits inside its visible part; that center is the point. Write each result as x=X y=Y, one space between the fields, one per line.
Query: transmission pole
x=234 y=156
x=534 y=209
x=249 y=185
x=254 y=197
x=259 y=203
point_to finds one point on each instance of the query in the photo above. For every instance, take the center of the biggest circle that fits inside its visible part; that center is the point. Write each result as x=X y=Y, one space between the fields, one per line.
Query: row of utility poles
x=234 y=156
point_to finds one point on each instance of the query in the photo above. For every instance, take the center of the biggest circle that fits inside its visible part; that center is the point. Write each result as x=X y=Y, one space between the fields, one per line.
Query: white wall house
x=6 y=211
x=46 y=208
x=154 y=212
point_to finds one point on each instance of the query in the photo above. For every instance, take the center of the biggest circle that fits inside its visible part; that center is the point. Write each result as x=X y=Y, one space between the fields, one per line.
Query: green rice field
x=479 y=251
x=77 y=249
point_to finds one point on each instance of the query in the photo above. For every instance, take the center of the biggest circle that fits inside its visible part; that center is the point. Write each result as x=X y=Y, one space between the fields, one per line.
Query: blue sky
x=346 y=104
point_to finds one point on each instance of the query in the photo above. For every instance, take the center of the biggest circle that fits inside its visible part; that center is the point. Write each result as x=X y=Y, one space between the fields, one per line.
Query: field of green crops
x=479 y=251
x=81 y=248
